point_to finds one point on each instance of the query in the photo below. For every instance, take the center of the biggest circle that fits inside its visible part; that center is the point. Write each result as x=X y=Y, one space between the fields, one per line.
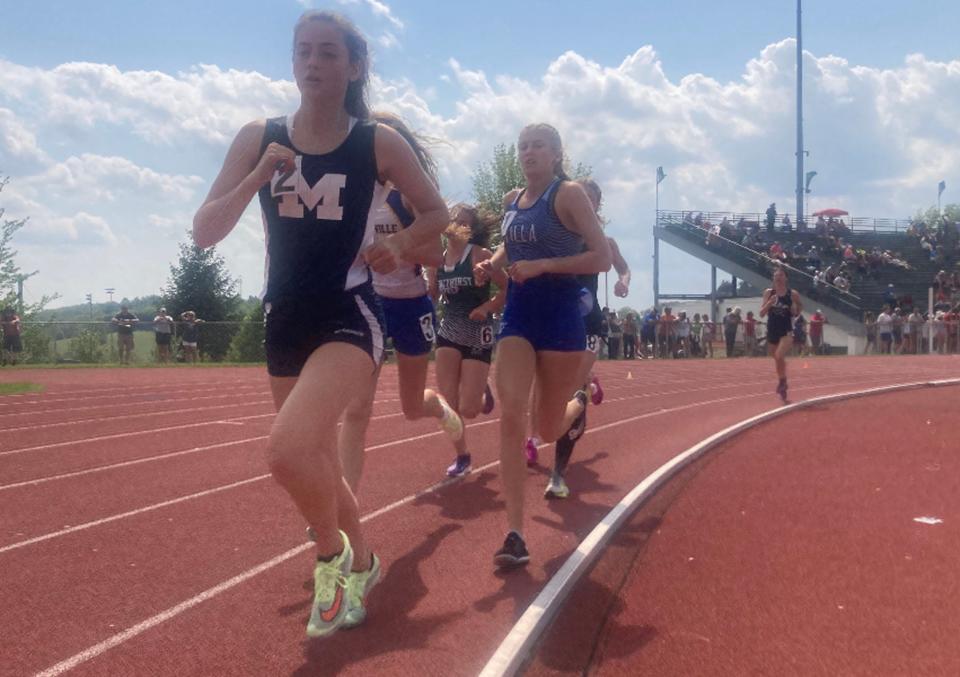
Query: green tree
x=247 y=344
x=931 y=217
x=10 y=273
x=199 y=281
x=494 y=179
x=88 y=346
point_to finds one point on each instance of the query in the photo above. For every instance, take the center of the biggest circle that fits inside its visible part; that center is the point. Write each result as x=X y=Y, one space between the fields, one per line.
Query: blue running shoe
x=460 y=467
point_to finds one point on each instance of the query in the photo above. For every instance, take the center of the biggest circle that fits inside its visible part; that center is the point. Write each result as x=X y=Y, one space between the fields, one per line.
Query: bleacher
x=843 y=308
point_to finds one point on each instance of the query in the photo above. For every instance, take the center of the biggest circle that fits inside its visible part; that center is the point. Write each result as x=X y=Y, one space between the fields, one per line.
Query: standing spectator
x=616 y=334
x=696 y=335
x=913 y=325
x=897 y=329
x=731 y=321
x=939 y=333
x=771 y=217
x=870 y=329
x=630 y=337
x=682 y=346
x=885 y=330
x=889 y=297
x=750 y=335
x=787 y=226
x=709 y=335
x=666 y=333
x=12 y=345
x=648 y=333
x=163 y=332
x=817 y=320
x=125 y=321
x=190 y=336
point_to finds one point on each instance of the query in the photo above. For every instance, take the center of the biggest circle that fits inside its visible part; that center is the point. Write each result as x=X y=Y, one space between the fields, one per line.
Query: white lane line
x=210 y=593
x=142 y=403
x=124 y=464
x=146 y=414
x=516 y=647
x=146 y=390
x=131 y=513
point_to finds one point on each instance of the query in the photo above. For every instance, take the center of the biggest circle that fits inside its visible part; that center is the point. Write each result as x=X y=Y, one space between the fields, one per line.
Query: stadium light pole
x=800 y=150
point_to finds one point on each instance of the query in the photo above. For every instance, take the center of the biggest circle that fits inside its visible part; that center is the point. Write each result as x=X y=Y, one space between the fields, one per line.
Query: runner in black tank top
x=557 y=487
x=780 y=305
x=316 y=172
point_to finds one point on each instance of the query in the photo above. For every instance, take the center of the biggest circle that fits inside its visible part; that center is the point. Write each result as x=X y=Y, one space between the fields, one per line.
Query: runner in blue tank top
x=317 y=173
x=782 y=304
x=551 y=234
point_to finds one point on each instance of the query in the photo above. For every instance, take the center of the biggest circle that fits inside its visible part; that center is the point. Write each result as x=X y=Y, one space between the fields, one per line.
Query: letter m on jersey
x=295 y=193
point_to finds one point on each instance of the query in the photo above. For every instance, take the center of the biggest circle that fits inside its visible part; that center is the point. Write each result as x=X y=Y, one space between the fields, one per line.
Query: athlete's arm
x=768 y=299
x=397 y=164
x=577 y=215
x=242 y=175
x=484 y=270
x=622 y=287
x=797 y=307
x=433 y=289
x=494 y=305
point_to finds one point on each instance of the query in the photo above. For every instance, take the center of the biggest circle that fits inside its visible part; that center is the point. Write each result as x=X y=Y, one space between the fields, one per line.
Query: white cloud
x=380 y=9
x=879 y=138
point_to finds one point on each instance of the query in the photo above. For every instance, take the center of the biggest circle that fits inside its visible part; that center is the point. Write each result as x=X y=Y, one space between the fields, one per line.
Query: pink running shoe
x=531 y=450
x=596 y=392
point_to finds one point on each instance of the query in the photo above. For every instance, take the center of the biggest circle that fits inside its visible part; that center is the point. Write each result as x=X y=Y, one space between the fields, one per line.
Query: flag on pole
x=660 y=175
x=940 y=188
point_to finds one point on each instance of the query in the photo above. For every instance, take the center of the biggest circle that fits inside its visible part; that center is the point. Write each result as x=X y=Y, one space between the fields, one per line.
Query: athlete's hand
x=521 y=271
x=382 y=256
x=620 y=290
x=275 y=158
x=482 y=272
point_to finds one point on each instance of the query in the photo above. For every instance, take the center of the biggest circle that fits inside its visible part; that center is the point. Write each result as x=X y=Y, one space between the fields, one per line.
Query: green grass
x=15 y=388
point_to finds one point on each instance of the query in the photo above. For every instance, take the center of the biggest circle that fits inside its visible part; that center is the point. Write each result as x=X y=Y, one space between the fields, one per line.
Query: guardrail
x=857 y=224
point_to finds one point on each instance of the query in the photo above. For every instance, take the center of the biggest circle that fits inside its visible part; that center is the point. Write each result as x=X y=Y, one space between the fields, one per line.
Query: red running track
x=791 y=549
x=156 y=544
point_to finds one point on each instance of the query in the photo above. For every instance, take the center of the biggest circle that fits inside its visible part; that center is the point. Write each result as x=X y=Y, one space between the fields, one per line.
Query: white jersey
x=390 y=217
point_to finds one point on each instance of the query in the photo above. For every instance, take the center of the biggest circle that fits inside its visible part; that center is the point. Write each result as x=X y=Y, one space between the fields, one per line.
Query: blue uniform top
x=536 y=232
x=316 y=217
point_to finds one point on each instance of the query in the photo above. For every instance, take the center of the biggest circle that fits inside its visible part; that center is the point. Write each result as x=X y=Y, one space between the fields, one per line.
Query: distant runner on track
x=318 y=173
x=782 y=304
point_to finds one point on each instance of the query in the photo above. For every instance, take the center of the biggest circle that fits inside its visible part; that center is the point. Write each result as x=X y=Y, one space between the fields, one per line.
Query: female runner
x=317 y=173
x=551 y=234
x=465 y=337
x=782 y=304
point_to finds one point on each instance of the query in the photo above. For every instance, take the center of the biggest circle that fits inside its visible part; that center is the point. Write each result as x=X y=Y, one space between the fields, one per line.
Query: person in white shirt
x=885 y=330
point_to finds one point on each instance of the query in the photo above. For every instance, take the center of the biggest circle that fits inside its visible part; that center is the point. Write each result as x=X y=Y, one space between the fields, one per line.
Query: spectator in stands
x=870 y=327
x=12 y=344
x=821 y=227
x=163 y=333
x=787 y=225
x=842 y=283
x=771 y=217
x=630 y=337
x=912 y=332
x=750 y=335
x=885 y=330
x=889 y=297
x=713 y=236
x=125 y=321
x=190 y=336
x=731 y=322
x=817 y=320
x=776 y=252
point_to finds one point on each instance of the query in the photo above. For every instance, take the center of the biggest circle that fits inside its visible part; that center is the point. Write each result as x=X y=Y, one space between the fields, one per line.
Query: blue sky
x=110 y=159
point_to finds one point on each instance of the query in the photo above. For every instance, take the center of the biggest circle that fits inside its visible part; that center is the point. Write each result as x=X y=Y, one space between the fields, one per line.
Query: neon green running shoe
x=359 y=584
x=556 y=489
x=330 y=592
x=450 y=422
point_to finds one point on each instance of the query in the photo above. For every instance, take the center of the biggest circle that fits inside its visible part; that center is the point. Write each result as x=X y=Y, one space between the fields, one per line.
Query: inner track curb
x=517 y=646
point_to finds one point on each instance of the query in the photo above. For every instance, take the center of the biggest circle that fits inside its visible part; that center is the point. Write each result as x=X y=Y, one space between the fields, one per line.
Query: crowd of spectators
x=902 y=332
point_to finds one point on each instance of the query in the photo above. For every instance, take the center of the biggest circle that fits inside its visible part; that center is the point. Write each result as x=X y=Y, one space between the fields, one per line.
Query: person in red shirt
x=817 y=320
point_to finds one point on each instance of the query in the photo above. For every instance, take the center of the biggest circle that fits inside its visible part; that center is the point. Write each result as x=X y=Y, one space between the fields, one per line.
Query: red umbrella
x=831 y=212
